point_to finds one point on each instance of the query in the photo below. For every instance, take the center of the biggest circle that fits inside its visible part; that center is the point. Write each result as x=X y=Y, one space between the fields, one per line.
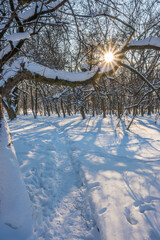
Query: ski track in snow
x=52 y=180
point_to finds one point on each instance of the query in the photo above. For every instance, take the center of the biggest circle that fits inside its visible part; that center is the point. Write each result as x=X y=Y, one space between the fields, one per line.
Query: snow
x=85 y=67
x=15 y=206
x=91 y=174
x=150 y=41
x=59 y=95
x=28 y=13
x=37 y=8
x=7 y=49
x=53 y=181
x=9 y=72
x=18 y=36
x=64 y=75
x=35 y=68
x=52 y=5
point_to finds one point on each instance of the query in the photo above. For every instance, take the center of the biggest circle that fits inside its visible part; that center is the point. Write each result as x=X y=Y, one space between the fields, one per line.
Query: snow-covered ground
x=15 y=205
x=90 y=179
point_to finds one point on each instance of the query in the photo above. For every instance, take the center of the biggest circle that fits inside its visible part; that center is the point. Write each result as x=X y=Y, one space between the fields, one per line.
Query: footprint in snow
x=93 y=186
x=11 y=226
x=102 y=210
x=129 y=216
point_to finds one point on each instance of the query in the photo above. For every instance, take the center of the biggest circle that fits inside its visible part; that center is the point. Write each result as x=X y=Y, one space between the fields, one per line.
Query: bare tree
x=20 y=20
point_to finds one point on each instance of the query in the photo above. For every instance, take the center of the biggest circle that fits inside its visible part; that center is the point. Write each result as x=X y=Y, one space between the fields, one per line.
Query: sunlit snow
x=99 y=182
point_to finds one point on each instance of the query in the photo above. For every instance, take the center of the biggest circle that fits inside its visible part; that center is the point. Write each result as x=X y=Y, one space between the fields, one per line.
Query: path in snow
x=52 y=179
x=120 y=169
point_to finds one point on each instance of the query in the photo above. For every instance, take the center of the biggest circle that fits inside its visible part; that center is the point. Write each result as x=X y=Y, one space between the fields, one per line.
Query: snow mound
x=15 y=206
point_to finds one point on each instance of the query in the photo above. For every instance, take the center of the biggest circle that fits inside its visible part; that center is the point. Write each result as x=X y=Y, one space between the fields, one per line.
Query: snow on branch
x=59 y=95
x=53 y=74
x=23 y=69
x=147 y=43
x=6 y=50
x=40 y=8
x=18 y=36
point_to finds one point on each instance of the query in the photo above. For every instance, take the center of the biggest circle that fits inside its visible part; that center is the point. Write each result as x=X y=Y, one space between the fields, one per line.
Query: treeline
x=75 y=38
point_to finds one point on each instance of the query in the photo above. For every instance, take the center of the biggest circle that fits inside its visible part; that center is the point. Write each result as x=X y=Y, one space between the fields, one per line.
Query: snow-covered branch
x=147 y=43
x=23 y=69
x=23 y=15
x=41 y=8
x=59 y=95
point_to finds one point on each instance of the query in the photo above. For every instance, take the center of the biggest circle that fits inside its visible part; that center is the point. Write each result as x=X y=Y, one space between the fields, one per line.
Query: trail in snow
x=52 y=179
x=119 y=169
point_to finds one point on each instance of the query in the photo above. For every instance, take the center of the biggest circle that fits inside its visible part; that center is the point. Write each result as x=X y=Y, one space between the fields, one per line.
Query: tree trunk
x=62 y=107
x=57 y=109
x=82 y=112
x=103 y=108
x=93 y=109
x=36 y=100
x=142 y=111
x=11 y=112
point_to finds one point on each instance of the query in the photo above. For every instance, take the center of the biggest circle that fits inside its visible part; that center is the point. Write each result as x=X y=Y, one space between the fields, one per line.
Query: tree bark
x=82 y=112
x=62 y=107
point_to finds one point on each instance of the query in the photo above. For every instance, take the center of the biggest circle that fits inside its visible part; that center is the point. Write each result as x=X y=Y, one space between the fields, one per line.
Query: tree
x=21 y=20
x=28 y=18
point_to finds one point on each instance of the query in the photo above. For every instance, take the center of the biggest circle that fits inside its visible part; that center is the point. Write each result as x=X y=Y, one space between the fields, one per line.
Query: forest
x=86 y=73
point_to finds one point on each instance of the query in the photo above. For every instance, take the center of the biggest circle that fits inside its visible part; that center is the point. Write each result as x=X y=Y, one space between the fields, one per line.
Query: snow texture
x=91 y=174
x=15 y=206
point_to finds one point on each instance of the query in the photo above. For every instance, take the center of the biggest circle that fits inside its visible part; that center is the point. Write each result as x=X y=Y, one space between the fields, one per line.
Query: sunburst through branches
x=106 y=57
x=110 y=55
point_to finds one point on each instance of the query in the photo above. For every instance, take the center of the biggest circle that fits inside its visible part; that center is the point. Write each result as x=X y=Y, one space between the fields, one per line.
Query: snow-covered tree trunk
x=1 y=109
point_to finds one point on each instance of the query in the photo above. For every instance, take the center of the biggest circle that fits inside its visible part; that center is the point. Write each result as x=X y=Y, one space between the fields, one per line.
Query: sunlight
x=108 y=57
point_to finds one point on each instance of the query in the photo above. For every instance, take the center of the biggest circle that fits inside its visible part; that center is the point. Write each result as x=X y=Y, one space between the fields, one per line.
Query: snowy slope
x=15 y=206
x=119 y=171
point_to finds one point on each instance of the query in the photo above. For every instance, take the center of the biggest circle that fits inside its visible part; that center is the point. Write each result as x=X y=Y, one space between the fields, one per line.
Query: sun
x=109 y=57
